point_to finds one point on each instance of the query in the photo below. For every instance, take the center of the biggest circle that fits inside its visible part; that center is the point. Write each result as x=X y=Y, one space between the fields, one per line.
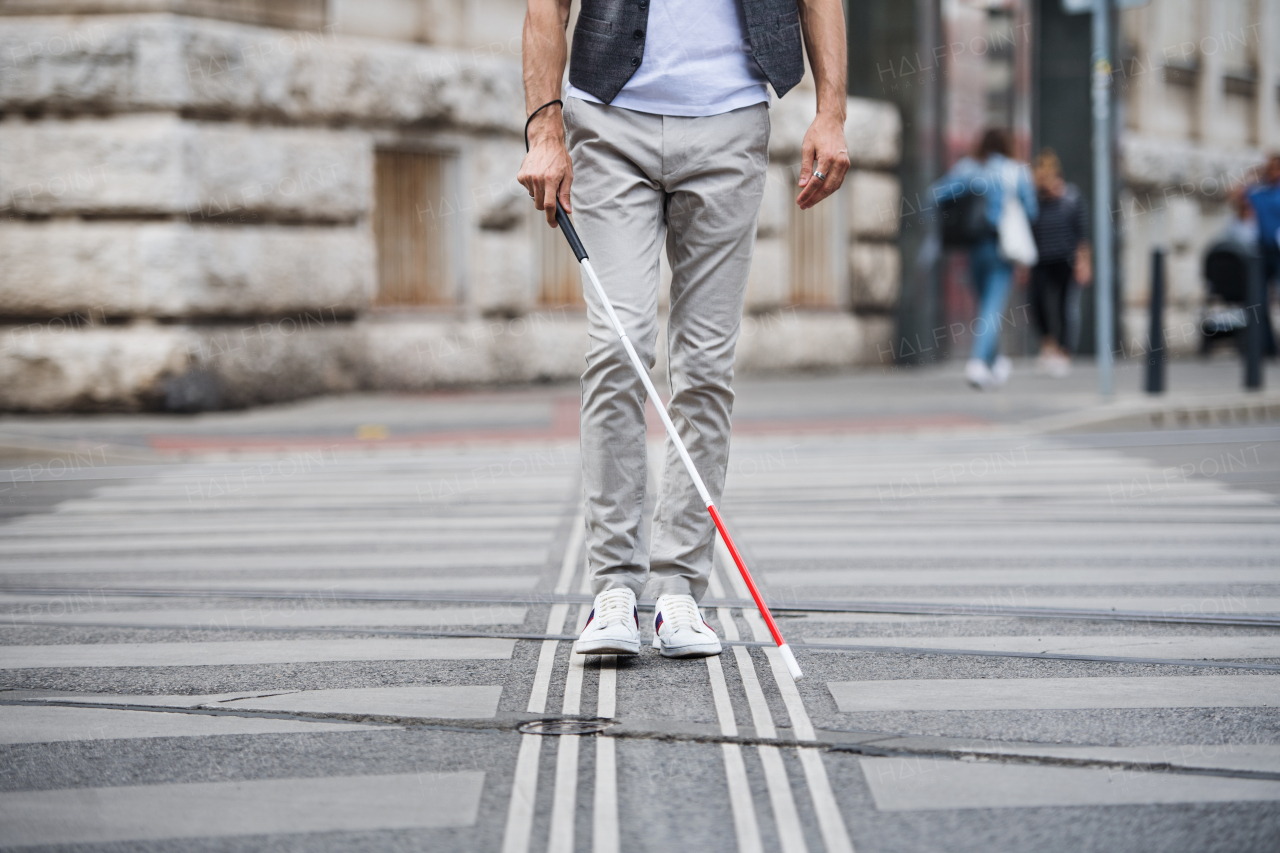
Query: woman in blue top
x=987 y=173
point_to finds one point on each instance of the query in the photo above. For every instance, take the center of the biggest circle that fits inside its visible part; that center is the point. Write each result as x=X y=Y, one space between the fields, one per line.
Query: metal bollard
x=1155 y=335
x=1253 y=330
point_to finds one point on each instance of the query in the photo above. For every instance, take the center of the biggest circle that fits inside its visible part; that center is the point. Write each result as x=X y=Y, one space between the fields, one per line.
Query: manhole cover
x=564 y=727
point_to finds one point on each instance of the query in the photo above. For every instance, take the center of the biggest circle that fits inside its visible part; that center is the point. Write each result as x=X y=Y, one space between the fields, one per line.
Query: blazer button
x=638 y=34
x=635 y=60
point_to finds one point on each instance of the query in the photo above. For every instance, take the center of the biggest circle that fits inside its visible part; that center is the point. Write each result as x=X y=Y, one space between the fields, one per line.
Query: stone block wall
x=187 y=211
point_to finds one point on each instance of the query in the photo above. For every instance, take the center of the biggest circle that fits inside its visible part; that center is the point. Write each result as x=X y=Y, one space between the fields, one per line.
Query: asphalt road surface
x=1031 y=625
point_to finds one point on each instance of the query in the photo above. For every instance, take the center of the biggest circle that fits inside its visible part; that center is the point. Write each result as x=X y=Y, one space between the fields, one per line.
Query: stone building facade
x=1198 y=83
x=219 y=203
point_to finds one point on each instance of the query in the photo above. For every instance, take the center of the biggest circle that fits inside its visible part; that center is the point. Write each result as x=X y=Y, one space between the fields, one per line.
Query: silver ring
x=818 y=176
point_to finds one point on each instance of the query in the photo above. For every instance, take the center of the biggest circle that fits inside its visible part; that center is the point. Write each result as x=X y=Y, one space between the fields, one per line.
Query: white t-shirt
x=697 y=62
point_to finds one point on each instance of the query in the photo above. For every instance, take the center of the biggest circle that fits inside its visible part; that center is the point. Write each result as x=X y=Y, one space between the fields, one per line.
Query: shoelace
x=680 y=612
x=614 y=606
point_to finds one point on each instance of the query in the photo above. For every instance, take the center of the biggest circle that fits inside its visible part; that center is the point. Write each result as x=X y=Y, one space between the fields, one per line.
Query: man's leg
x=715 y=177
x=617 y=209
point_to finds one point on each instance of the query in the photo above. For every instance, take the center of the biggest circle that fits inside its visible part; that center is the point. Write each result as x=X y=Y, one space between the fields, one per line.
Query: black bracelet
x=534 y=113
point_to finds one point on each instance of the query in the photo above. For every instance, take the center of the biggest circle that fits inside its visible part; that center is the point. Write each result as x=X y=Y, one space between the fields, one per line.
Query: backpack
x=964 y=221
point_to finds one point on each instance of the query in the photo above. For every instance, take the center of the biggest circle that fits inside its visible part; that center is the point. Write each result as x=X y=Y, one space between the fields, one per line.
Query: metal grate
x=410 y=223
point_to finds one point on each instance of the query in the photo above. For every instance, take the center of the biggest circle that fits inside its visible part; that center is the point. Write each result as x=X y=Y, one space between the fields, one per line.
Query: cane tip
x=790 y=659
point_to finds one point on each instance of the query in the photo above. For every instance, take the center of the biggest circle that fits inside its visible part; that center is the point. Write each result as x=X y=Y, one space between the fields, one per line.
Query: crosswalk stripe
x=1175 y=647
x=53 y=724
x=243 y=653
x=259 y=616
x=986 y=694
x=1227 y=757
x=359 y=560
x=1049 y=576
x=250 y=807
x=52 y=547
x=440 y=701
x=920 y=784
x=322 y=587
x=1190 y=605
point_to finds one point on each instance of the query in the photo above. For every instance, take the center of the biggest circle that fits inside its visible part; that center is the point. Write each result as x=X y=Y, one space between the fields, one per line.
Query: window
x=818 y=255
x=411 y=219
x=560 y=282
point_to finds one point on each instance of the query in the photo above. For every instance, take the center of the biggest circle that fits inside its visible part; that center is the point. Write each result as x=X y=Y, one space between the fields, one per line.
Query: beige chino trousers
x=642 y=183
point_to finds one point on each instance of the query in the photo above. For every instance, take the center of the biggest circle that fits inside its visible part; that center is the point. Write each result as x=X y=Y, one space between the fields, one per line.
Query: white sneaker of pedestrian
x=978 y=374
x=679 y=631
x=1001 y=369
x=613 y=628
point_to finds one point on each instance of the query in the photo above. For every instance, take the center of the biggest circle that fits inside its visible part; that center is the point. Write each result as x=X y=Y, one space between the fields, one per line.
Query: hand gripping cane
x=571 y=234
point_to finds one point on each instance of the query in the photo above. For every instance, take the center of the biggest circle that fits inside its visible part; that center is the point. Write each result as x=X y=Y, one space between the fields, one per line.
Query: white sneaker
x=679 y=631
x=978 y=374
x=1001 y=369
x=613 y=628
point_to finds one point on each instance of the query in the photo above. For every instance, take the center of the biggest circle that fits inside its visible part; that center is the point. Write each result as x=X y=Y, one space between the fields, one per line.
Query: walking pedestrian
x=1064 y=261
x=1010 y=204
x=661 y=142
x=1264 y=197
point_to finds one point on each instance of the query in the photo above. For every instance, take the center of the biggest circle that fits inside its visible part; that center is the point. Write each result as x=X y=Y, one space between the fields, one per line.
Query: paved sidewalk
x=1027 y=621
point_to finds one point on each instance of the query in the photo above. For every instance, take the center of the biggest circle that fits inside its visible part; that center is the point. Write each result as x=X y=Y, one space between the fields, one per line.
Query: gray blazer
x=608 y=43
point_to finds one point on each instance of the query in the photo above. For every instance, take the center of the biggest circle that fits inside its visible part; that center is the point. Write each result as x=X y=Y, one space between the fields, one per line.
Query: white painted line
x=912 y=784
x=430 y=701
x=273 y=614
x=606 y=831
x=1213 y=756
x=786 y=817
x=547 y=660
x=745 y=826
x=53 y=724
x=518 y=833
x=564 y=801
x=720 y=691
x=988 y=694
x=245 y=653
x=1079 y=551
x=363 y=560
x=835 y=835
x=524 y=794
x=607 y=695
x=224 y=809
x=171 y=525
x=321 y=586
x=1175 y=647
x=452 y=541
x=1211 y=603
x=1049 y=576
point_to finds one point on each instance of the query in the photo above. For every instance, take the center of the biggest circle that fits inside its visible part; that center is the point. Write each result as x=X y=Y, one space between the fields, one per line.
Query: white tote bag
x=1017 y=245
